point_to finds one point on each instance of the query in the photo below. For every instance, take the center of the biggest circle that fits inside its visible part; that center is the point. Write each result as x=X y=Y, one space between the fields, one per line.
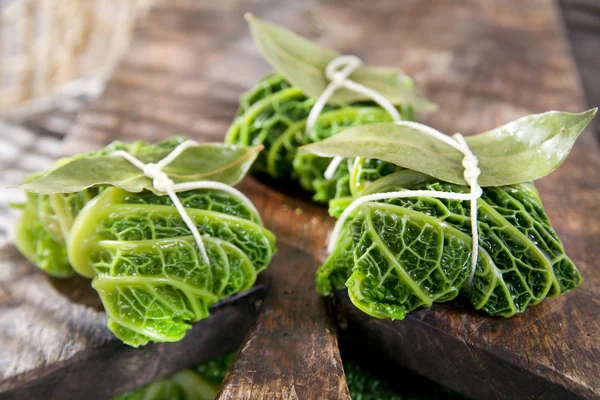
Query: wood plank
x=484 y=63
x=289 y=353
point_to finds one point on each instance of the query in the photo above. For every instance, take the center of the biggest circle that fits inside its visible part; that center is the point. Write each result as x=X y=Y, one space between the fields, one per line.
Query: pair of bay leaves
x=522 y=259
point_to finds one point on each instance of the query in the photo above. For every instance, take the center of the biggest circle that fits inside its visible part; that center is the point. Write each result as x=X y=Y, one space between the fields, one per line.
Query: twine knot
x=472 y=171
x=160 y=180
x=470 y=164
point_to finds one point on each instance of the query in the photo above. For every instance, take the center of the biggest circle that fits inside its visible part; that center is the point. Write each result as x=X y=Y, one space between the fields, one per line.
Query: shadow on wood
x=78 y=290
x=434 y=343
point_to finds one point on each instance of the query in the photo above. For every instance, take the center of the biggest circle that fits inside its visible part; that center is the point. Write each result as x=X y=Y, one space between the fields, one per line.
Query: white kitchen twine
x=162 y=183
x=471 y=175
x=337 y=72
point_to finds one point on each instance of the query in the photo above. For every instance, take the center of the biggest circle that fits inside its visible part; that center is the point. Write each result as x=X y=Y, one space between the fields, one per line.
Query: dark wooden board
x=55 y=344
x=484 y=63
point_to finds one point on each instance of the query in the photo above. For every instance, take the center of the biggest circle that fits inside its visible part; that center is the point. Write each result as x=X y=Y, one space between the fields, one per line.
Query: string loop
x=340 y=68
x=160 y=180
x=163 y=184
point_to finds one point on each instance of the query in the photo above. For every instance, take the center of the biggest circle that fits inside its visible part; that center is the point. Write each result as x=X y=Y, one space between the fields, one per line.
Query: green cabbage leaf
x=398 y=255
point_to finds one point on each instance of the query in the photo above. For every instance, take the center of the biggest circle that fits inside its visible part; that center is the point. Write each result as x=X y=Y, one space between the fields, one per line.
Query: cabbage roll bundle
x=395 y=254
x=104 y=221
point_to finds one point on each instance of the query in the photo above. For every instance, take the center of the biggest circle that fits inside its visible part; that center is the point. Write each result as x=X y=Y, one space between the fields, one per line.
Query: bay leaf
x=207 y=161
x=522 y=150
x=303 y=63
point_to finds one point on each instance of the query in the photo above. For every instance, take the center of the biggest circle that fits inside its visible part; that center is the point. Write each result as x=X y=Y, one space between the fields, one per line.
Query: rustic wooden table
x=483 y=62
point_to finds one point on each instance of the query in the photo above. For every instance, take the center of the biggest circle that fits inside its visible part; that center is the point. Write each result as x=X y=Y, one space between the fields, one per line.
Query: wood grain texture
x=485 y=63
x=291 y=352
x=34 y=313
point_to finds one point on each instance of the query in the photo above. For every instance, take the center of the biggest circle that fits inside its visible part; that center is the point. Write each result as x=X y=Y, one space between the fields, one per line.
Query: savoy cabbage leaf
x=400 y=254
x=146 y=266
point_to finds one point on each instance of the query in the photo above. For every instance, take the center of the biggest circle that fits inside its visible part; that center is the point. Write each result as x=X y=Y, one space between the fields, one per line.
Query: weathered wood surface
x=484 y=63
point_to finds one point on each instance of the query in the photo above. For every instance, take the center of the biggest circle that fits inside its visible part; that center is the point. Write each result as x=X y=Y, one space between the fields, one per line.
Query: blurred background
x=55 y=56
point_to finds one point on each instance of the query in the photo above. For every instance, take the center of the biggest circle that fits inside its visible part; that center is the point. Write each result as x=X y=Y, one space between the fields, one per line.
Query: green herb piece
x=215 y=370
x=164 y=389
x=144 y=261
x=303 y=63
x=523 y=150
